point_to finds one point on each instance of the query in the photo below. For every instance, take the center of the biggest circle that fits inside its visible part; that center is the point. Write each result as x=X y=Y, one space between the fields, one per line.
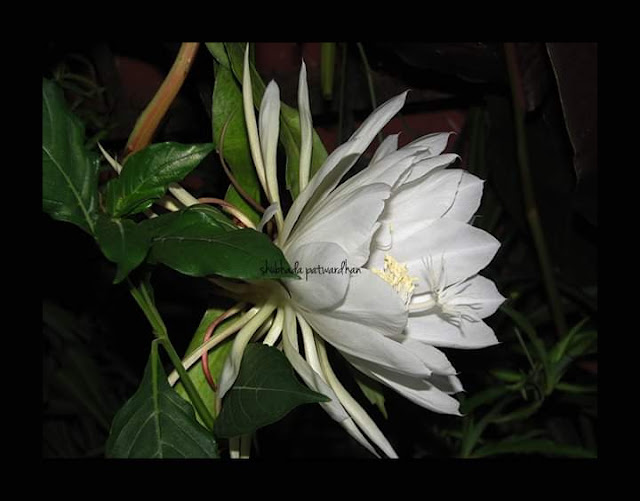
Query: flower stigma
x=447 y=299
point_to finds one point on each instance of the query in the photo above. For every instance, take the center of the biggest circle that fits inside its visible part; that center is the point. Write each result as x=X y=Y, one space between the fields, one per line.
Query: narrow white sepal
x=355 y=410
x=182 y=195
x=112 y=161
x=269 y=129
x=306 y=128
x=276 y=329
x=341 y=160
x=268 y=214
x=232 y=363
x=250 y=120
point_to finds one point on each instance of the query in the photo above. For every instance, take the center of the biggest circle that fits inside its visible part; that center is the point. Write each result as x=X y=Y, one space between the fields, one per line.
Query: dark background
x=96 y=340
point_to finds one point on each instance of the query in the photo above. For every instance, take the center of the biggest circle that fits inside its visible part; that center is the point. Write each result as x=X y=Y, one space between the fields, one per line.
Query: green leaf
x=576 y=344
x=289 y=123
x=123 y=242
x=157 y=423
x=216 y=359
x=234 y=198
x=147 y=174
x=472 y=430
x=518 y=414
x=264 y=392
x=227 y=109
x=290 y=136
x=576 y=388
x=69 y=171
x=561 y=346
x=532 y=446
x=200 y=241
x=524 y=324
x=508 y=376
x=485 y=397
x=373 y=390
x=218 y=52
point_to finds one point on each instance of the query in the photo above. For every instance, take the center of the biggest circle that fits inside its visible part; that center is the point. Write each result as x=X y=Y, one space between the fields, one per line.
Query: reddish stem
x=205 y=353
x=151 y=117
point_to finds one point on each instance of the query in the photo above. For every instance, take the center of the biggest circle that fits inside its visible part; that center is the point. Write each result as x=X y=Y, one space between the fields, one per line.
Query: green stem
x=367 y=71
x=524 y=347
x=327 y=65
x=142 y=295
x=341 y=96
x=531 y=207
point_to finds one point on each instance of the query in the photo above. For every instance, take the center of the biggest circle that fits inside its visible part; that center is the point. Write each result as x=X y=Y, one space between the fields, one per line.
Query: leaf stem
x=142 y=295
x=531 y=207
x=155 y=111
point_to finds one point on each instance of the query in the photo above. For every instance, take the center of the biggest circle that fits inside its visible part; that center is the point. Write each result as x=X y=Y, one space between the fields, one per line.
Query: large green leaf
x=69 y=171
x=147 y=174
x=227 y=110
x=123 y=242
x=264 y=392
x=216 y=359
x=289 y=122
x=200 y=241
x=157 y=423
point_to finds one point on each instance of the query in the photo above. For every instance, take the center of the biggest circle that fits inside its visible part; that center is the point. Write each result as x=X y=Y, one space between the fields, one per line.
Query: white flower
x=402 y=226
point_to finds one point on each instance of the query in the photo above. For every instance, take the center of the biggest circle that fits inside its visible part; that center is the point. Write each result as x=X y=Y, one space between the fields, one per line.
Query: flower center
x=397 y=275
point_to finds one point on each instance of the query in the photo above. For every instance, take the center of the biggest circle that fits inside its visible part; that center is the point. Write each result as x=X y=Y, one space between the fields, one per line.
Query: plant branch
x=143 y=297
x=531 y=207
x=155 y=111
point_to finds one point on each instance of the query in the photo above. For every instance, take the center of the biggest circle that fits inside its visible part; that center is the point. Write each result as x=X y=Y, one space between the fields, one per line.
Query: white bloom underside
x=404 y=222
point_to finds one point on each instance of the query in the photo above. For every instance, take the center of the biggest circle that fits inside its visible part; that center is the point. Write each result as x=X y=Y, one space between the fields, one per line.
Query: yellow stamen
x=397 y=275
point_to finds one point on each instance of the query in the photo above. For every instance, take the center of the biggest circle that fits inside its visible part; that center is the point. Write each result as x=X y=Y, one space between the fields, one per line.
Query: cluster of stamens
x=397 y=275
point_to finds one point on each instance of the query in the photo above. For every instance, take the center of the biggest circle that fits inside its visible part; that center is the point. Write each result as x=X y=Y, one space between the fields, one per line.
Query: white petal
x=432 y=357
x=341 y=160
x=447 y=384
x=388 y=169
x=482 y=293
x=418 y=391
x=453 y=194
x=350 y=222
x=389 y=145
x=435 y=143
x=359 y=327
x=465 y=249
x=425 y=164
x=437 y=331
x=318 y=290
